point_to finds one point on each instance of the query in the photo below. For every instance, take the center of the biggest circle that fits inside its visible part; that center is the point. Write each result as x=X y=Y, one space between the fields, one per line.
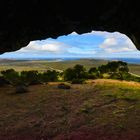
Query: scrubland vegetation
x=78 y=103
x=43 y=65
x=76 y=75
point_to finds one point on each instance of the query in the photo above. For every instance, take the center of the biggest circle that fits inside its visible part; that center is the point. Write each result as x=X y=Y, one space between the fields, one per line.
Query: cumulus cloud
x=112 y=43
x=48 y=46
x=55 y=47
x=93 y=44
x=117 y=43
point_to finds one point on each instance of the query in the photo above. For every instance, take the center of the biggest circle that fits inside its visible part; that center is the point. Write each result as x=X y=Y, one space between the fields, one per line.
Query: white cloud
x=109 y=42
x=113 y=43
x=96 y=43
x=46 y=46
x=116 y=43
x=73 y=33
x=54 y=47
x=80 y=51
x=105 y=34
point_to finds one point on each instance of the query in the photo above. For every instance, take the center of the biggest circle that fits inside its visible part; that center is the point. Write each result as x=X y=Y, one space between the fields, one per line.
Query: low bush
x=77 y=72
x=78 y=81
x=115 y=76
x=11 y=76
x=91 y=76
x=50 y=76
x=3 y=81
x=30 y=77
x=36 y=82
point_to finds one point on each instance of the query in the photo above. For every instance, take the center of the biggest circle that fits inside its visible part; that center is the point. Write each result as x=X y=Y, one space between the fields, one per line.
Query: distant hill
x=64 y=63
x=128 y=60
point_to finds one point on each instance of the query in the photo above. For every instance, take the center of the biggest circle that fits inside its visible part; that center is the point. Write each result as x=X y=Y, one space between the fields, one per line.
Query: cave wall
x=22 y=21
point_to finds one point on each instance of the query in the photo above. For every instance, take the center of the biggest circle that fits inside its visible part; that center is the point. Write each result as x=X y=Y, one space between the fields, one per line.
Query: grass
x=43 y=65
x=134 y=68
x=121 y=90
x=124 y=94
x=87 y=107
x=108 y=107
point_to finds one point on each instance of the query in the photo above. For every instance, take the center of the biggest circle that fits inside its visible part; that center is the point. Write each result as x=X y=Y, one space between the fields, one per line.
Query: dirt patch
x=80 y=113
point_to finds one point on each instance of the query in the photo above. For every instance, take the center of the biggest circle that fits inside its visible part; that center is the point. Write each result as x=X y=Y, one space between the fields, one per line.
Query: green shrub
x=130 y=77
x=91 y=76
x=103 y=69
x=115 y=75
x=3 y=81
x=93 y=70
x=30 y=77
x=77 y=72
x=50 y=76
x=116 y=69
x=80 y=71
x=11 y=76
x=69 y=74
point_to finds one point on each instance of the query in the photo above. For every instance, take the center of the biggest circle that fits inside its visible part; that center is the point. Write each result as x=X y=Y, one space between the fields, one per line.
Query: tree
x=93 y=73
x=50 y=76
x=113 y=66
x=11 y=76
x=69 y=74
x=93 y=70
x=123 y=69
x=30 y=77
x=116 y=66
x=118 y=69
x=103 y=69
x=80 y=71
x=77 y=72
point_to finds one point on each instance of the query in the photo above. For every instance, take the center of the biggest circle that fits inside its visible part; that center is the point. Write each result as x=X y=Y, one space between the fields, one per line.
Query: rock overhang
x=24 y=21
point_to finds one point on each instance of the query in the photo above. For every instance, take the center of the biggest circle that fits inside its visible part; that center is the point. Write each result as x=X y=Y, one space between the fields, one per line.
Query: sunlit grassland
x=120 y=90
x=43 y=65
x=134 y=68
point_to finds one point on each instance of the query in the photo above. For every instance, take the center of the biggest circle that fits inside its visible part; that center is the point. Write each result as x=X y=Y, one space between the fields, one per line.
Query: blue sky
x=89 y=45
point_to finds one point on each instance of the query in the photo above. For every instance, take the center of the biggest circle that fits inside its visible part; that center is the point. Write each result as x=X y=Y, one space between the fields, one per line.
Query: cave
x=25 y=21
x=99 y=109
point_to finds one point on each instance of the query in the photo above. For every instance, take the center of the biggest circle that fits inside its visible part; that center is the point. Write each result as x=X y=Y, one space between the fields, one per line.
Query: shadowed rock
x=64 y=86
x=21 y=88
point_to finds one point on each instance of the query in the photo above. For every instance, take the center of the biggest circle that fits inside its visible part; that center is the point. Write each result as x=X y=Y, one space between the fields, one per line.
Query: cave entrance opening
x=95 y=44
